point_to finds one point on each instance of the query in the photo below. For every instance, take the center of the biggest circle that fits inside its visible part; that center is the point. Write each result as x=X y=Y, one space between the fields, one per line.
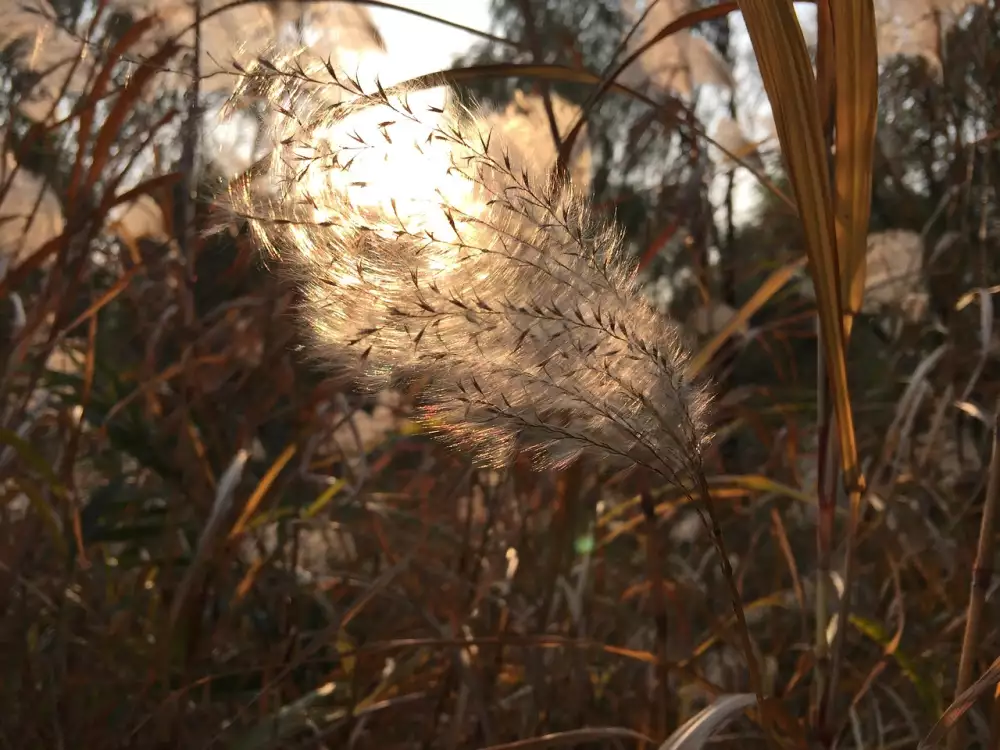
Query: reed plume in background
x=427 y=251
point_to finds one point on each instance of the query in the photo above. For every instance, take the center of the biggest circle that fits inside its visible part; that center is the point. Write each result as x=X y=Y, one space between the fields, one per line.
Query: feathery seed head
x=426 y=251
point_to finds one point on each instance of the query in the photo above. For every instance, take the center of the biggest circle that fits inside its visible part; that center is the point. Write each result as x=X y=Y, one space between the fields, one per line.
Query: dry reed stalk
x=982 y=577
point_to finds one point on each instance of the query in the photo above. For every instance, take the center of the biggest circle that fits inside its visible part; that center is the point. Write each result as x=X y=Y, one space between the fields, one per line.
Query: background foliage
x=205 y=540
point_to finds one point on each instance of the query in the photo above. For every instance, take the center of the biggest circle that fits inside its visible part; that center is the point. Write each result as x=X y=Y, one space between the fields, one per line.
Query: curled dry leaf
x=695 y=733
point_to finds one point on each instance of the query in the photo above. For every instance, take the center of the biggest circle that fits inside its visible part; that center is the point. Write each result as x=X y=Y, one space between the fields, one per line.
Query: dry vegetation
x=767 y=509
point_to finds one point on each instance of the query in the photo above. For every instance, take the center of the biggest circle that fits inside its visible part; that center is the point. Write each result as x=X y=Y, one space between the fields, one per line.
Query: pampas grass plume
x=426 y=252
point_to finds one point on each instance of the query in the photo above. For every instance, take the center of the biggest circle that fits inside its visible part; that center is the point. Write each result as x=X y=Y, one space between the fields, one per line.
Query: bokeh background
x=206 y=540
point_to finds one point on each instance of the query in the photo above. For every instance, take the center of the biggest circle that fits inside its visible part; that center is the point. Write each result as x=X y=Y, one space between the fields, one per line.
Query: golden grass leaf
x=791 y=89
x=771 y=286
x=856 y=61
x=825 y=70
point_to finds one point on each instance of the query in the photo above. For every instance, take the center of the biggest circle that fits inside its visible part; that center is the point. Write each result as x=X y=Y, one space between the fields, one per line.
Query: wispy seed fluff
x=428 y=255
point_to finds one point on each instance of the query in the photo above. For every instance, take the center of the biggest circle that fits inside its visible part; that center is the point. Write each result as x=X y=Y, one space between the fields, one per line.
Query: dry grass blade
x=771 y=286
x=792 y=90
x=123 y=105
x=695 y=733
x=890 y=646
x=961 y=705
x=88 y=107
x=220 y=507
x=95 y=307
x=261 y=490
x=793 y=569
x=856 y=61
x=825 y=65
x=283 y=724
x=787 y=72
x=982 y=578
x=986 y=318
x=148 y=187
x=608 y=81
x=575 y=737
x=541 y=71
x=370 y=592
